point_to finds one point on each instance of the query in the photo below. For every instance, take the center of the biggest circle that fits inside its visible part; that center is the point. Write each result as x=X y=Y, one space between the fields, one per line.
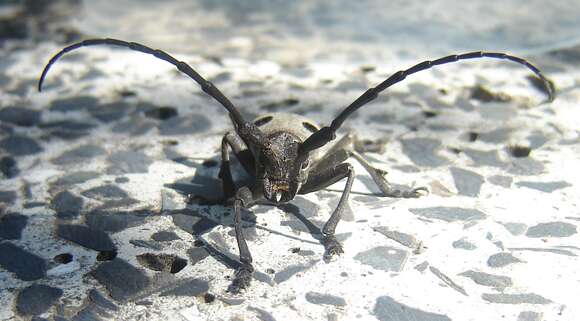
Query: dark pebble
x=449 y=214
x=34 y=204
x=78 y=155
x=526 y=166
x=20 y=145
x=185 y=126
x=121 y=279
x=36 y=299
x=190 y=288
x=165 y=236
x=9 y=167
x=325 y=299
x=88 y=313
x=552 y=229
x=206 y=189
x=117 y=203
x=67 y=129
x=423 y=151
x=485 y=158
x=546 y=187
x=127 y=162
x=67 y=205
x=90 y=238
x=468 y=183
x=261 y=314
x=111 y=111
x=500 y=180
x=114 y=222
x=502 y=259
x=193 y=224
x=387 y=309
x=105 y=192
x=11 y=226
x=26 y=266
x=146 y=244
x=197 y=254
x=20 y=116
x=73 y=104
x=76 y=178
x=7 y=197
x=97 y=298
x=121 y=180
x=289 y=271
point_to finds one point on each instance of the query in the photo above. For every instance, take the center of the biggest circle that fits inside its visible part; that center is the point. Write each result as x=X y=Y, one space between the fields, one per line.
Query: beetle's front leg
x=242 y=153
x=244 y=198
x=318 y=181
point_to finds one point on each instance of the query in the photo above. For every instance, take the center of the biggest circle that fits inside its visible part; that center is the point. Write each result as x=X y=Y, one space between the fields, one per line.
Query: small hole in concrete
x=106 y=255
x=161 y=113
x=429 y=114
x=162 y=262
x=473 y=136
x=63 y=258
x=178 y=265
x=208 y=298
x=209 y=163
x=520 y=151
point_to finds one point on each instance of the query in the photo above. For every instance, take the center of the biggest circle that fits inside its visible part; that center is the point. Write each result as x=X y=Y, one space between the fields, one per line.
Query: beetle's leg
x=344 y=149
x=244 y=199
x=320 y=180
x=242 y=153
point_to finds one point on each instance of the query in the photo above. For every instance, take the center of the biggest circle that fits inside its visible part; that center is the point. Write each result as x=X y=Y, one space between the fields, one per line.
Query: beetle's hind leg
x=345 y=148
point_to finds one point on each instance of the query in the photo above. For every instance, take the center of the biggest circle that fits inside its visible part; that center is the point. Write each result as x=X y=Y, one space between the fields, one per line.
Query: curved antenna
x=326 y=134
x=206 y=86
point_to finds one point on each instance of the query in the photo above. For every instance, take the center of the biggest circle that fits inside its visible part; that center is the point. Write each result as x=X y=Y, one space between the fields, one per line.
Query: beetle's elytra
x=284 y=154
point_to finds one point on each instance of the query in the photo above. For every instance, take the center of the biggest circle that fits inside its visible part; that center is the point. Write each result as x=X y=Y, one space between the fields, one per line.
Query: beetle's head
x=283 y=170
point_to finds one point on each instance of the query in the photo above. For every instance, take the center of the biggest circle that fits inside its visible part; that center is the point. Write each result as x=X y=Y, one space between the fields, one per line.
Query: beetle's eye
x=305 y=164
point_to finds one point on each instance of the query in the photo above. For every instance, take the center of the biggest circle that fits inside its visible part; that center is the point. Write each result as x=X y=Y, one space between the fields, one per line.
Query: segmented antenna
x=326 y=134
x=206 y=86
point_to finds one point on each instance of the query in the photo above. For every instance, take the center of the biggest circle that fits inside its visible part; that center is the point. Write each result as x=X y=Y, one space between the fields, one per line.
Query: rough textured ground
x=94 y=223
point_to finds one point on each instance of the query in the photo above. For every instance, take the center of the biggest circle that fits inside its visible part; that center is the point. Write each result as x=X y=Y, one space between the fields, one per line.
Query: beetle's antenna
x=326 y=134
x=206 y=86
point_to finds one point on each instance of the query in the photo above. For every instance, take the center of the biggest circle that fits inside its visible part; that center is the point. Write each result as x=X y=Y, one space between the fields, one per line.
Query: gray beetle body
x=288 y=154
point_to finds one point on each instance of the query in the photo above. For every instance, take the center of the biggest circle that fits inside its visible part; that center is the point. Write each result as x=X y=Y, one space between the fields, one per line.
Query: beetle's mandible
x=284 y=154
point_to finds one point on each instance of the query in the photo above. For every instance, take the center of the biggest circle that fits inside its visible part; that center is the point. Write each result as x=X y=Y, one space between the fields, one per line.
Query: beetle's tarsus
x=332 y=247
x=242 y=279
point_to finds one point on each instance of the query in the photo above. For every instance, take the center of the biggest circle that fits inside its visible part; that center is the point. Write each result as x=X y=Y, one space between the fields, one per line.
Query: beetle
x=287 y=154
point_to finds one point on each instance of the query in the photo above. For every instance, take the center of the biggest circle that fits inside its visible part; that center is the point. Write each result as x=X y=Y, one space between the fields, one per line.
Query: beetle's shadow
x=204 y=195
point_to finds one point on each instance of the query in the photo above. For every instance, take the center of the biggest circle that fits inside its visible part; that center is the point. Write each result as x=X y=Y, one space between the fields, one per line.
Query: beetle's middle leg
x=242 y=153
x=319 y=180
x=344 y=148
